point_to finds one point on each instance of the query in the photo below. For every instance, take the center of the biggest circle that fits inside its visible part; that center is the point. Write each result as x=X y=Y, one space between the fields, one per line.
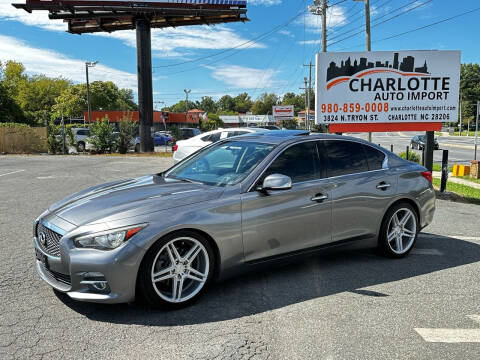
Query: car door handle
x=319 y=197
x=383 y=186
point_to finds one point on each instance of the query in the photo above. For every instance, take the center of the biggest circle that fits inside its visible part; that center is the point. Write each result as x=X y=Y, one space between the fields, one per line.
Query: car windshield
x=224 y=164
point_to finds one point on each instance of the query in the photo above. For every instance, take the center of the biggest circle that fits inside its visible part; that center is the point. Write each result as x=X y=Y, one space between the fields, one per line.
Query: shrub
x=102 y=137
x=126 y=134
x=411 y=156
x=53 y=144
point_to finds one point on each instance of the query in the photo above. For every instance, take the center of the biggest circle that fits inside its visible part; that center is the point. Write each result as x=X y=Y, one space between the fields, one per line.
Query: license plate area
x=42 y=258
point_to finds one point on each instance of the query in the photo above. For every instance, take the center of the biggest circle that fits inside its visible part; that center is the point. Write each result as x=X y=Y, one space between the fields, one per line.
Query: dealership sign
x=387 y=87
x=283 y=112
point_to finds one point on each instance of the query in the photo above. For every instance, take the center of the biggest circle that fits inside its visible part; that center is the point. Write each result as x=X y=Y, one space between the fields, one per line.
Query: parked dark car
x=187 y=133
x=159 y=139
x=418 y=142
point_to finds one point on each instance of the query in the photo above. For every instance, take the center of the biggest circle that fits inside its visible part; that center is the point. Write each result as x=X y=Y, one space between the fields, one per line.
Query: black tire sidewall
x=382 y=238
x=144 y=279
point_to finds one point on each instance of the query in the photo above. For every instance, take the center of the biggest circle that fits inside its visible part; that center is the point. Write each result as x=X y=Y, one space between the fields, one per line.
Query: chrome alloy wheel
x=180 y=269
x=401 y=231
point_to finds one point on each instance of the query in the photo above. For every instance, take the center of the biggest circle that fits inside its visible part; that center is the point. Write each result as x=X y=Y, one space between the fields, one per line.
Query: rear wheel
x=176 y=270
x=399 y=230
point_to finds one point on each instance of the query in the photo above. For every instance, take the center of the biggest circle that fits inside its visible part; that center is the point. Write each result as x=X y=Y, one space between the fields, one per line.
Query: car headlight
x=107 y=240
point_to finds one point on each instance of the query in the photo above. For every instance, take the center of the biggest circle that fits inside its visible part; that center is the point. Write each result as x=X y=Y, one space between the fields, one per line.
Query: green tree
x=243 y=103
x=208 y=104
x=298 y=101
x=105 y=95
x=469 y=90
x=263 y=105
x=37 y=95
x=226 y=103
x=10 y=111
x=102 y=135
x=213 y=122
x=126 y=133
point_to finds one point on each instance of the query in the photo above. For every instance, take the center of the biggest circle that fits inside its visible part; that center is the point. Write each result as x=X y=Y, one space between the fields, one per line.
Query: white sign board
x=387 y=87
x=283 y=111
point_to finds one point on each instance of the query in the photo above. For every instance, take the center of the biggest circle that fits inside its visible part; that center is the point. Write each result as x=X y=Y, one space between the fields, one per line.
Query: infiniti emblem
x=43 y=238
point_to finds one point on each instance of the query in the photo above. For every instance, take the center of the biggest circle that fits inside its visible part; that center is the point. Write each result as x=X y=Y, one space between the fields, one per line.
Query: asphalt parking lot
x=344 y=304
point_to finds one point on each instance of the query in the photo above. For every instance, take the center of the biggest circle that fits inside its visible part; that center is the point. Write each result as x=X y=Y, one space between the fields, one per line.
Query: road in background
x=342 y=304
x=460 y=148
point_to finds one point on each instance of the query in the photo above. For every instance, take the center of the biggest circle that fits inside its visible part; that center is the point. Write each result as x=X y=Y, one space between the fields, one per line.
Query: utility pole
x=319 y=7
x=307 y=104
x=186 y=99
x=308 y=91
x=89 y=107
x=369 y=40
x=461 y=118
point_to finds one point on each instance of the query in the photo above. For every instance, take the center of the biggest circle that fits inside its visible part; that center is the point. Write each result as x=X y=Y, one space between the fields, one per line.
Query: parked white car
x=184 y=148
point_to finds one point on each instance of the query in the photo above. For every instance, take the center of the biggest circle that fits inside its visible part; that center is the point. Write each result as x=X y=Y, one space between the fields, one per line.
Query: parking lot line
x=451 y=335
x=12 y=172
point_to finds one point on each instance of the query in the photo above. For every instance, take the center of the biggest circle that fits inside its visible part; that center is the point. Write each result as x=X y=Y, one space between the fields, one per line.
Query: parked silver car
x=234 y=204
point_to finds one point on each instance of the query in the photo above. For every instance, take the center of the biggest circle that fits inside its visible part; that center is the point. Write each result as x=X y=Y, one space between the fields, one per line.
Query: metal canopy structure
x=85 y=16
x=90 y=16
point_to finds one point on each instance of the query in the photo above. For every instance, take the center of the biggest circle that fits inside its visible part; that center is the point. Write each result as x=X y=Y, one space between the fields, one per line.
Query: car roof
x=285 y=136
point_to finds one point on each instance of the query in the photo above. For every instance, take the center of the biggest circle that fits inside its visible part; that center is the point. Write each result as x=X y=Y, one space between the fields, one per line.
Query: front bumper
x=68 y=273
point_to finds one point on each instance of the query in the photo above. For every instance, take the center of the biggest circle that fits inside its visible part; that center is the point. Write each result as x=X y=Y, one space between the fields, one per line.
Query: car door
x=284 y=221
x=362 y=187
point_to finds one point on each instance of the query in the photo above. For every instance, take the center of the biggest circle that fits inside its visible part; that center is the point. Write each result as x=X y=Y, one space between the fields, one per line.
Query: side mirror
x=276 y=182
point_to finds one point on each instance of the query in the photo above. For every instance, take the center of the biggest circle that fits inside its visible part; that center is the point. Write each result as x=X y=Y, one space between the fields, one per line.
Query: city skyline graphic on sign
x=407 y=65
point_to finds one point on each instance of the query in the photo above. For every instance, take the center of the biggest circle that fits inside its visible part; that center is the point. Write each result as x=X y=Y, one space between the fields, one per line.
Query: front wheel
x=399 y=230
x=176 y=270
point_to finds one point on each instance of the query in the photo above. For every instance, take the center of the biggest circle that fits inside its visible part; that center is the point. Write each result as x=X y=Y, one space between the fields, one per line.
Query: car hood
x=127 y=198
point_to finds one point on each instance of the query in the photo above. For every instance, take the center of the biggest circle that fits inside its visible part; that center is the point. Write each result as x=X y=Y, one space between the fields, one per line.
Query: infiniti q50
x=239 y=202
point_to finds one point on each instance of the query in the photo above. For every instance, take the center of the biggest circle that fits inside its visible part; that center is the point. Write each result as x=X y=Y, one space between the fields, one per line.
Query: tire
x=160 y=263
x=400 y=243
x=81 y=146
x=137 y=148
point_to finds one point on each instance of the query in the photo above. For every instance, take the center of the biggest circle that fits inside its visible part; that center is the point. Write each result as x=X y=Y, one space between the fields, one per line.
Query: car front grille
x=48 y=240
x=63 y=278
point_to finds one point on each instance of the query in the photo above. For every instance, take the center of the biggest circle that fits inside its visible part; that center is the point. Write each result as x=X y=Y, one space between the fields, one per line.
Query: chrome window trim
x=384 y=164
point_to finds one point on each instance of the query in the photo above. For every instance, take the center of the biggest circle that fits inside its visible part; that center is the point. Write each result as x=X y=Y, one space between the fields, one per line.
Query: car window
x=345 y=157
x=375 y=157
x=83 y=132
x=215 y=137
x=299 y=161
x=236 y=133
x=205 y=138
x=226 y=163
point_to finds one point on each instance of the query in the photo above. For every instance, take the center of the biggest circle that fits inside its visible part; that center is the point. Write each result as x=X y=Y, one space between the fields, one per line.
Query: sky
x=266 y=54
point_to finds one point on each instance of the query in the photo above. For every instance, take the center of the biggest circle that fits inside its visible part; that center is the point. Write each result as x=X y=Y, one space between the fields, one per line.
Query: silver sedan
x=241 y=202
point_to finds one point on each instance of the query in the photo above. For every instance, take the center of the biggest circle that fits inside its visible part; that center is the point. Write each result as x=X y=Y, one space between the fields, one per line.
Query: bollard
x=423 y=156
x=391 y=148
x=443 y=182
x=406 y=153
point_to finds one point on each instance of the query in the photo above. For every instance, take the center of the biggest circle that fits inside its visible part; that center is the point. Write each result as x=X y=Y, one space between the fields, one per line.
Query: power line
x=382 y=22
x=419 y=28
x=251 y=41
x=393 y=11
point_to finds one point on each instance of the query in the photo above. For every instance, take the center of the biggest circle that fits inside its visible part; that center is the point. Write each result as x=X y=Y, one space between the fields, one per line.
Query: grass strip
x=465 y=192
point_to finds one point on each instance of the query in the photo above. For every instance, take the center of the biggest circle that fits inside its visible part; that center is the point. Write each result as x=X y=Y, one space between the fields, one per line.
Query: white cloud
x=168 y=42
x=335 y=17
x=286 y=32
x=264 y=2
x=54 y=64
x=244 y=77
